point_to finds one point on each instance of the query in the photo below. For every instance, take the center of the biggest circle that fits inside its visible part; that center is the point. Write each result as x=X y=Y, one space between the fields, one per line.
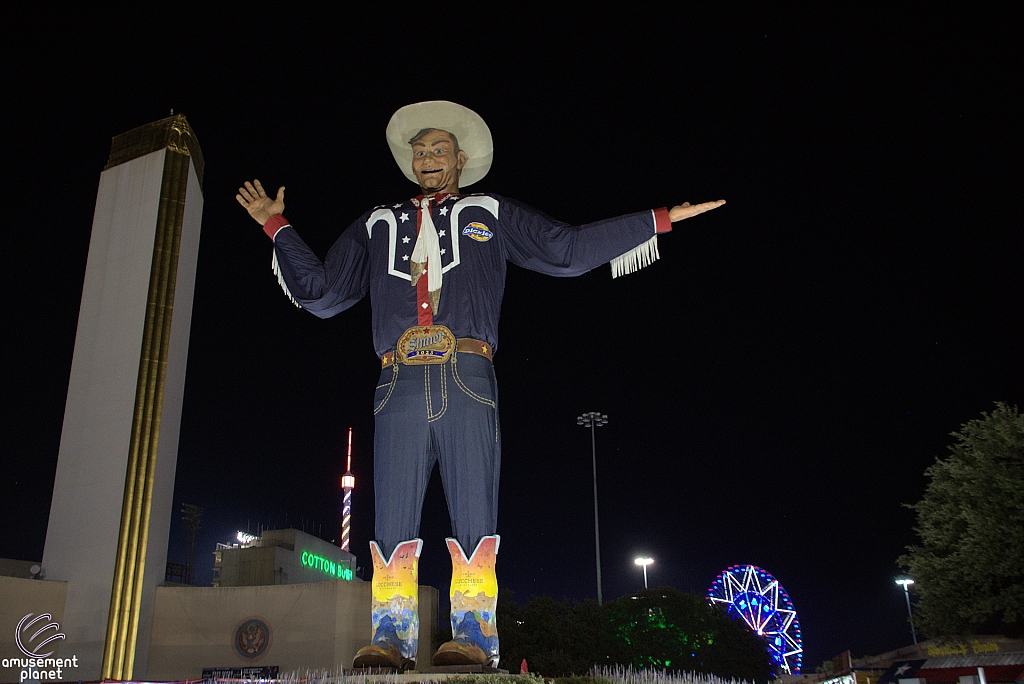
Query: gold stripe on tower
x=176 y=136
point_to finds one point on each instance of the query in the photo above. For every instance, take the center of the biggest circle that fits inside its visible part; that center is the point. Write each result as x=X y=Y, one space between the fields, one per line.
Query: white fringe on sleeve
x=280 y=279
x=642 y=255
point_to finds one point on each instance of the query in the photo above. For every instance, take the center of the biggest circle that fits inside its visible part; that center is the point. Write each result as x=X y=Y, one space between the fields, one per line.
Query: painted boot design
x=474 y=596
x=394 y=608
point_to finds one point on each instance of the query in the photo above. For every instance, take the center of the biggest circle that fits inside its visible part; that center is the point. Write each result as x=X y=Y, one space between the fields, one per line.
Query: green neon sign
x=322 y=564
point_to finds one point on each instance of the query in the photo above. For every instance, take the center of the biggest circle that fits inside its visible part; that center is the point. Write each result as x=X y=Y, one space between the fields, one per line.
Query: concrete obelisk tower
x=111 y=510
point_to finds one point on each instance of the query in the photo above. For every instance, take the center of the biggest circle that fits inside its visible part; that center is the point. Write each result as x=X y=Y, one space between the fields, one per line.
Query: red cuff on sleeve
x=662 y=224
x=276 y=223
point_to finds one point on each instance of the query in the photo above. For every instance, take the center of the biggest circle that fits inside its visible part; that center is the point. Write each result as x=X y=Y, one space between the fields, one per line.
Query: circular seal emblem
x=252 y=638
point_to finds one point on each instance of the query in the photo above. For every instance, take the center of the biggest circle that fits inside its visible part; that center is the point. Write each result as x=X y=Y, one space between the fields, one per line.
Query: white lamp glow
x=644 y=562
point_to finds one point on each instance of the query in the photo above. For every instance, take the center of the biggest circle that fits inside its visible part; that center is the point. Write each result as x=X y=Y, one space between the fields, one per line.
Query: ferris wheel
x=750 y=592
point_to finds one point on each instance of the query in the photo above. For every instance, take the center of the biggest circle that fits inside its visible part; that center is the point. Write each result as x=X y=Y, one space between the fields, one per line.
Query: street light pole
x=905 y=582
x=595 y=420
x=644 y=562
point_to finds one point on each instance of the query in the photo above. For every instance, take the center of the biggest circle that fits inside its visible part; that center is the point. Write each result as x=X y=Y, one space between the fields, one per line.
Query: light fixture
x=644 y=562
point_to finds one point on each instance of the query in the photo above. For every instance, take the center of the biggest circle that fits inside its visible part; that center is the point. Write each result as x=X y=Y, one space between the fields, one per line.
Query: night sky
x=776 y=384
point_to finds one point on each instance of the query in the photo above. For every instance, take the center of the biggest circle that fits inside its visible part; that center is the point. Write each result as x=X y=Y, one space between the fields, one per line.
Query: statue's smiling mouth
x=430 y=171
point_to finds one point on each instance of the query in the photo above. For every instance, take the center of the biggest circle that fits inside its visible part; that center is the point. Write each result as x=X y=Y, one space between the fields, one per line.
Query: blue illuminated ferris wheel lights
x=751 y=593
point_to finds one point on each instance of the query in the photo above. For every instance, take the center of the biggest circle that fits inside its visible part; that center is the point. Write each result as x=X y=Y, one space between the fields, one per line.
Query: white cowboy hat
x=465 y=124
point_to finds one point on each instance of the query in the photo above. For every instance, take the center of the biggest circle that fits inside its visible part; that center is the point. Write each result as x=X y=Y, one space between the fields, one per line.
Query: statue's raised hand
x=686 y=210
x=256 y=202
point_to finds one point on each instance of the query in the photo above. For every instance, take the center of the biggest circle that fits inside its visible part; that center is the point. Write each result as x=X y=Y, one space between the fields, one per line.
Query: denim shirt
x=478 y=234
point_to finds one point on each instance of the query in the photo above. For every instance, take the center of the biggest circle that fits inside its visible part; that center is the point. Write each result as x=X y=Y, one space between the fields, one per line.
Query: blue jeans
x=443 y=413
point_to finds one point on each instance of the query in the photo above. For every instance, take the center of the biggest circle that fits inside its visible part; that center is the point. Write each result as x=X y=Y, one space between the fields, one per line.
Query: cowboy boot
x=474 y=596
x=394 y=608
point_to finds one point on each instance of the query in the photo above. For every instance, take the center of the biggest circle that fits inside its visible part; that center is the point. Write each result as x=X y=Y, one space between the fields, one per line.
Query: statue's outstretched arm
x=538 y=242
x=323 y=288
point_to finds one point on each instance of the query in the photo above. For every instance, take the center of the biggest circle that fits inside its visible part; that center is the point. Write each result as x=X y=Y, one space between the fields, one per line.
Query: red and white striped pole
x=348 y=483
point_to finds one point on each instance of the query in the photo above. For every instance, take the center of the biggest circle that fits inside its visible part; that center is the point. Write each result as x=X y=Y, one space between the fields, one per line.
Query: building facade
x=285 y=600
x=281 y=557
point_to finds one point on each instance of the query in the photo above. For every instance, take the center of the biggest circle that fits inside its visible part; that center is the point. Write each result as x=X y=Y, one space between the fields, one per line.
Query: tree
x=658 y=628
x=557 y=638
x=665 y=628
x=969 y=567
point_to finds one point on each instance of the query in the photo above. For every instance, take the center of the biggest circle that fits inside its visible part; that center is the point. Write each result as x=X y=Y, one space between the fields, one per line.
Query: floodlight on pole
x=644 y=562
x=905 y=582
x=594 y=420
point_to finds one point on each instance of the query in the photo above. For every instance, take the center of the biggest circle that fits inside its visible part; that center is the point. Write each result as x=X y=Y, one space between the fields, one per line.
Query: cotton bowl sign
x=35 y=636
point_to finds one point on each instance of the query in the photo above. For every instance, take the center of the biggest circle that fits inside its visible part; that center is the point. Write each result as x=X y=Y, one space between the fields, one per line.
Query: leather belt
x=465 y=345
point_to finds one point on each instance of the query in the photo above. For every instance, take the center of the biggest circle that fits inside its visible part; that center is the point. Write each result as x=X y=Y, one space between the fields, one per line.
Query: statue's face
x=435 y=163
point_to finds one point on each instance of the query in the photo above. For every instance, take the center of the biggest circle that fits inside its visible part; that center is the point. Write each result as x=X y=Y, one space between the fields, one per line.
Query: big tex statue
x=434 y=266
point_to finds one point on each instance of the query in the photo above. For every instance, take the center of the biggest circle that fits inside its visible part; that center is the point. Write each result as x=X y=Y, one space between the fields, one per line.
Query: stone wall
x=316 y=625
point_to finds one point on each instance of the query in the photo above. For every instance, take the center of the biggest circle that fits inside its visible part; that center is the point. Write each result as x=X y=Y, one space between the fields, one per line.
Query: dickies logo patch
x=478 y=232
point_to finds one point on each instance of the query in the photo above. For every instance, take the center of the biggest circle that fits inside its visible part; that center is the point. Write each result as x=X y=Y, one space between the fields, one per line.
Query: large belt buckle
x=425 y=344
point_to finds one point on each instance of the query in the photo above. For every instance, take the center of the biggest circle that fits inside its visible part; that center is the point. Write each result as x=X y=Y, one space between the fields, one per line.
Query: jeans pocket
x=385 y=387
x=474 y=376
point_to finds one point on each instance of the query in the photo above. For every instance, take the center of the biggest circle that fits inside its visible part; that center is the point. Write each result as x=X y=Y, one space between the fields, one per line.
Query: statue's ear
x=461 y=159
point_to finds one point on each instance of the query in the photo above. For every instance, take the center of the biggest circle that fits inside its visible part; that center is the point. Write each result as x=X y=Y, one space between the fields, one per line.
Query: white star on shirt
x=443 y=251
x=440 y=233
x=444 y=211
x=397 y=205
x=404 y=217
x=405 y=240
x=405 y=257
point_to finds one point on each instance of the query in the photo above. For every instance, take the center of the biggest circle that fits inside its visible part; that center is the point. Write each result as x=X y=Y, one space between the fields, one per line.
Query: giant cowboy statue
x=434 y=266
